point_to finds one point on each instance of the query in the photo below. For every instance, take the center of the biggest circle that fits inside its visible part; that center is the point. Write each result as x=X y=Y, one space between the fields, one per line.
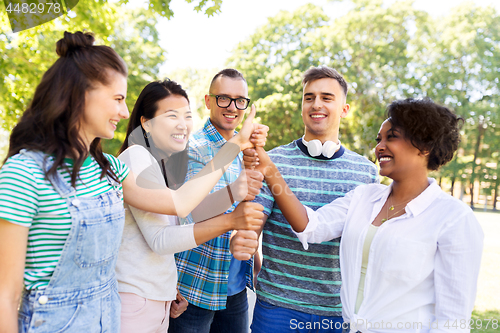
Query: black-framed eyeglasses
x=222 y=101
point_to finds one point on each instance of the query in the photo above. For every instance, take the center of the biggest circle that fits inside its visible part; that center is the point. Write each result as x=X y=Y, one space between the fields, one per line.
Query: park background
x=447 y=50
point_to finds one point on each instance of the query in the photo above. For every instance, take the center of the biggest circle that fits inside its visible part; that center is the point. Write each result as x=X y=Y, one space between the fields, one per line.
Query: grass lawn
x=488 y=290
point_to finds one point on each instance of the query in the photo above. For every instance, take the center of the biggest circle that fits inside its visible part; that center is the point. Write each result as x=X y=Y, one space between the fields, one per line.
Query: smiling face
x=225 y=120
x=171 y=125
x=104 y=108
x=397 y=157
x=323 y=104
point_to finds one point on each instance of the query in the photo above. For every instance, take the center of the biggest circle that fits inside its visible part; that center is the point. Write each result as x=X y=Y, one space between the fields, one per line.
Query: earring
x=147 y=135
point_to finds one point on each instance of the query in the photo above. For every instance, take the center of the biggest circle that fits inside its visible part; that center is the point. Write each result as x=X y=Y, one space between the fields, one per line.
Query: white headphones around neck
x=315 y=148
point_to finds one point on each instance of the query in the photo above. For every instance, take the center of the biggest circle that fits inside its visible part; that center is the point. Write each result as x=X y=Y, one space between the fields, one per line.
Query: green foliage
x=462 y=70
x=25 y=56
x=485 y=321
x=28 y=54
x=273 y=60
x=196 y=82
x=162 y=7
x=385 y=52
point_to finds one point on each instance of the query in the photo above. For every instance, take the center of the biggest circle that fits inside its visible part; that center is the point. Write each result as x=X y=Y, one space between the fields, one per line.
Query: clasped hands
x=247 y=218
x=245 y=242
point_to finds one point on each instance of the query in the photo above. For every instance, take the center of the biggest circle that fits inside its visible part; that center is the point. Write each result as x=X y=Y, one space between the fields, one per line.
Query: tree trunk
x=495 y=192
x=480 y=132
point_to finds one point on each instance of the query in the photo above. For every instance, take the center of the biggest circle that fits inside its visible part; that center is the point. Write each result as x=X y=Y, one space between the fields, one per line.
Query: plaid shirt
x=203 y=271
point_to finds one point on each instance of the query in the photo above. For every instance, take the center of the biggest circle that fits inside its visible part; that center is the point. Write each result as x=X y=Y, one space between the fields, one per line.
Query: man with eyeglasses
x=210 y=278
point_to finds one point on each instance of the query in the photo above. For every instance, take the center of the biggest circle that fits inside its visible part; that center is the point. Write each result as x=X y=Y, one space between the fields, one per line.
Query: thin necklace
x=390 y=207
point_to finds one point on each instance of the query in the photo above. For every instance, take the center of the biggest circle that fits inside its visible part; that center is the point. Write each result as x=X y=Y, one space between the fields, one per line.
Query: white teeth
x=385 y=159
x=178 y=136
x=317 y=116
x=114 y=122
x=228 y=116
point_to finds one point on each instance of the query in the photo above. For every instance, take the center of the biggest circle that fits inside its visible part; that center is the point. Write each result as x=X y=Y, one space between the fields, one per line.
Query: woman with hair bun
x=409 y=253
x=61 y=202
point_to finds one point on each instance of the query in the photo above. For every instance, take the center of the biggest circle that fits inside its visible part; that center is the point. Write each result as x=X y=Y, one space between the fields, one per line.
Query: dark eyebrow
x=395 y=130
x=224 y=95
x=321 y=93
x=177 y=111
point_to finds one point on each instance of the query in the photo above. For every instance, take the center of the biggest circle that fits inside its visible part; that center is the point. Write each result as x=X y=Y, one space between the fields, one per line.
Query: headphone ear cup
x=329 y=148
x=314 y=147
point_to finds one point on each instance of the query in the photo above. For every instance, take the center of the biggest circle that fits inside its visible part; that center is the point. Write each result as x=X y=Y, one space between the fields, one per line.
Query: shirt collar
x=418 y=204
x=213 y=135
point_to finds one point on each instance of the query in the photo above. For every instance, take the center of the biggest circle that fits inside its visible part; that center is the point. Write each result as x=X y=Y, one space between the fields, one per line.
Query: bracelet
x=230 y=194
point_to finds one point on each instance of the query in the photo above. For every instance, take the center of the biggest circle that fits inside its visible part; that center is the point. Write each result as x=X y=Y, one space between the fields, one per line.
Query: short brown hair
x=228 y=72
x=324 y=72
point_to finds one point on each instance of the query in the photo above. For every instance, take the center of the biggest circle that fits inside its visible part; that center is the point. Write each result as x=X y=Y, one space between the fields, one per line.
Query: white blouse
x=423 y=266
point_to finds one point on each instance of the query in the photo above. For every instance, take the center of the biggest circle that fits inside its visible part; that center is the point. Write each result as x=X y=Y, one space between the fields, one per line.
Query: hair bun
x=73 y=41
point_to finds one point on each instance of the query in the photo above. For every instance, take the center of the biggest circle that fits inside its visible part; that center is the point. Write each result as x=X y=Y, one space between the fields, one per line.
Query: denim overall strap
x=45 y=163
x=82 y=293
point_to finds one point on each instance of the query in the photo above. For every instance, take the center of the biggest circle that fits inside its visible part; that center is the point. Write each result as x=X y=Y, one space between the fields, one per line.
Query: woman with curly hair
x=410 y=253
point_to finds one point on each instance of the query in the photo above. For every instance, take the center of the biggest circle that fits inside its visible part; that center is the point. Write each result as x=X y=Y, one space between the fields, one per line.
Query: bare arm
x=292 y=209
x=247 y=216
x=188 y=196
x=246 y=187
x=182 y=201
x=13 y=243
x=164 y=237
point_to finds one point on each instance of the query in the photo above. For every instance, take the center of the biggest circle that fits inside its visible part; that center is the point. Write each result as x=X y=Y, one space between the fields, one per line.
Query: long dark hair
x=175 y=168
x=51 y=123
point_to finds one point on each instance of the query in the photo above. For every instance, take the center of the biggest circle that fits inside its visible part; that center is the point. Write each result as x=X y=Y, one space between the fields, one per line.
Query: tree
x=273 y=60
x=369 y=46
x=459 y=67
x=28 y=54
x=25 y=56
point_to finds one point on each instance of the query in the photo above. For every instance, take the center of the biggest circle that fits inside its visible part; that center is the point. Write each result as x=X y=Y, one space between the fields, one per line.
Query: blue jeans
x=272 y=318
x=233 y=319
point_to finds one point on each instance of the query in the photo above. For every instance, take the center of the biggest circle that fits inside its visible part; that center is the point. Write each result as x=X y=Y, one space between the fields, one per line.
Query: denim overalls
x=82 y=294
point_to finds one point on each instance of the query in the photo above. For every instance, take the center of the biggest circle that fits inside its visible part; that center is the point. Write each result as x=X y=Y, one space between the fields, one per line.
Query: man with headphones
x=299 y=290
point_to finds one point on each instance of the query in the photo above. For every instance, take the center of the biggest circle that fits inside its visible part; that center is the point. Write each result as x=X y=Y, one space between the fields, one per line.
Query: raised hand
x=250 y=158
x=259 y=135
x=243 y=138
x=247 y=186
x=247 y=215
x=244 y=244
x=257 y=159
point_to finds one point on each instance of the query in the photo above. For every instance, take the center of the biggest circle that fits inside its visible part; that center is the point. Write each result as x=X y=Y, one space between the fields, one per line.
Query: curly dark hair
x=429 y=127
